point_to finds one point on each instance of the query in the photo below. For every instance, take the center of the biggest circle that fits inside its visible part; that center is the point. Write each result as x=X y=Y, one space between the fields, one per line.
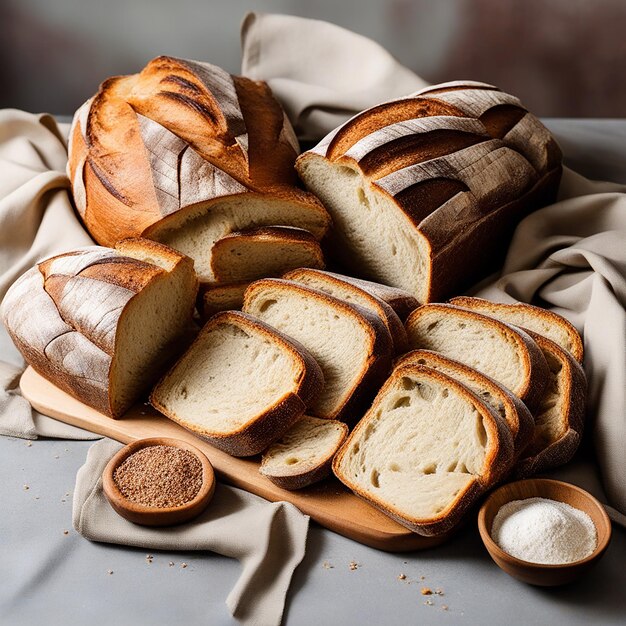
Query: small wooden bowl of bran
x=159 y=481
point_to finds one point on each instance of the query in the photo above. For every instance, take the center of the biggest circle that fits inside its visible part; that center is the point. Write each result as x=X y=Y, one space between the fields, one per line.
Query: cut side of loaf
x=425 y=451
x=102 y=324
x=503 y=352
x=216 y=298
x=263 y=252
x=508 y=406
x=351 y=293
x=531 y=318
x=559 y=419
x=352 y=346
x=425 y=191
x=304 y=455
x=240 y=386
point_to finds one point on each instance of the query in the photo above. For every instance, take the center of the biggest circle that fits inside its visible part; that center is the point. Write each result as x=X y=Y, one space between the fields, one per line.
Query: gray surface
x=51 y=578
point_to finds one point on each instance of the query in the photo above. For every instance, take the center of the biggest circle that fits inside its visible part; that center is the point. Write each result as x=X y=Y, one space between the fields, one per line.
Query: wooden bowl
x=535 y=573
x=152 y=515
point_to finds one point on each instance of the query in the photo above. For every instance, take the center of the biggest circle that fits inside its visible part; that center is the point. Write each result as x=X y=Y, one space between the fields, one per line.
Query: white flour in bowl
x=544 y=531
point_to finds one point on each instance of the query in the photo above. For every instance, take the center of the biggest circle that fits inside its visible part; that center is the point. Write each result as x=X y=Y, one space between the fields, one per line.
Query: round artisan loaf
x=151 y=154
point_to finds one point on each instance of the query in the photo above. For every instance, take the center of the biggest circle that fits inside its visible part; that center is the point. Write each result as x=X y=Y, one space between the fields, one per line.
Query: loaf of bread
x=101 y=324
x=516 y=414
x=425 y=191
x=352 y=345
x=505 y=353
x=185 y=154
x=303 y=456
x=348 y=291
x=425 y=451
x=241 y=384
x=215 y=298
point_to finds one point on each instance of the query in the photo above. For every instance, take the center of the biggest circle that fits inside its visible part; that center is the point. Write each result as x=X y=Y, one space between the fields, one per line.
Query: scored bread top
x=529 y=317
x=334 y=285
x=504 y=352
x=498 y=397
x=351 y=344
x=179 y=133
x=240 y=385
x=425 y=450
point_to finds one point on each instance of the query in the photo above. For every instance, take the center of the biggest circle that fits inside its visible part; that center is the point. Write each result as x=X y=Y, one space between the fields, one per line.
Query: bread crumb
x=29 y=444
x=422 y=577
x=327 y=565
x=110 y=572
x=401 y=576
x=426 y=591
x=439 y=592
x=171 y=564
x=26 y=487
x=149 y=558
x=354 y=566
x=66 y=532
x=183 y=565
x=428 y=602
x=444 y=607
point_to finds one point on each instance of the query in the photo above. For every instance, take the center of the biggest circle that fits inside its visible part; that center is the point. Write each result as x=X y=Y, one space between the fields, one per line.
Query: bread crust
x=533 y=361
x=293 y=481
x=520 y=419
x=563 y=449
x=549 y=316
x=498 y=460
x=380 y=346
x=275 y=421
x=384 y=311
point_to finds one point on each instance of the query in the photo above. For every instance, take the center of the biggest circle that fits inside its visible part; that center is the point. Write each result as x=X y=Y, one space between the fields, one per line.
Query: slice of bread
x=503 y=352
x=263 y=252
x=240 y=386
x=529 y=317
x=103 y=324
x=499 y=398
x=402 y=302
x=352 y=346
x=215 y=298
x=347 y=291
x=305 y=453
x=425 y=451
x=560 y=416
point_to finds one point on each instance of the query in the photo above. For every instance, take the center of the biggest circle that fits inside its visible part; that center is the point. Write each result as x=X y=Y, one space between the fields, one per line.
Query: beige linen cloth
x=570 y=257
x=268 y=538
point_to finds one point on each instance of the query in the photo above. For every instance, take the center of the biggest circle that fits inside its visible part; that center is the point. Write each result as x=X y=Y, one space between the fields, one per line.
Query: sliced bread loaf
x=499 y=398
x=215 y=298
x=559 y=418
x=305 y=453
x=352 y=346
x=102 y=324
x=241 y=385
x=335 y=286
x=425 y=451
x=529 y=317
x=505 y=353
x=260 y=252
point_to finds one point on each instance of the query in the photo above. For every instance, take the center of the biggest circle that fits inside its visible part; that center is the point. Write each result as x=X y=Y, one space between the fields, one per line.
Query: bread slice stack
x=352 y=345
x=305 y=453
x=426 y=450
x=559 y=416
x=102 y=323
x=241 y=385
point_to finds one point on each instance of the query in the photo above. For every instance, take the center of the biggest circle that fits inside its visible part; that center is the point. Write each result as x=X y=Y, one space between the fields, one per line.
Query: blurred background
x=563 y=58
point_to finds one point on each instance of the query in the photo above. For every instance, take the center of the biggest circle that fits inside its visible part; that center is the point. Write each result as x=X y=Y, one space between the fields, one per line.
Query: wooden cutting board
x=329 y=503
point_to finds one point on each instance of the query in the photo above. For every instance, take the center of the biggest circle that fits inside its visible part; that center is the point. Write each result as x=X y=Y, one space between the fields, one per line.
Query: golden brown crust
x=498 y=459
x=380 y=346
x=532 y=361
x=380 y=307
x=256 y=435
x=545 y=314
x=574 y=392
x=215 y=298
